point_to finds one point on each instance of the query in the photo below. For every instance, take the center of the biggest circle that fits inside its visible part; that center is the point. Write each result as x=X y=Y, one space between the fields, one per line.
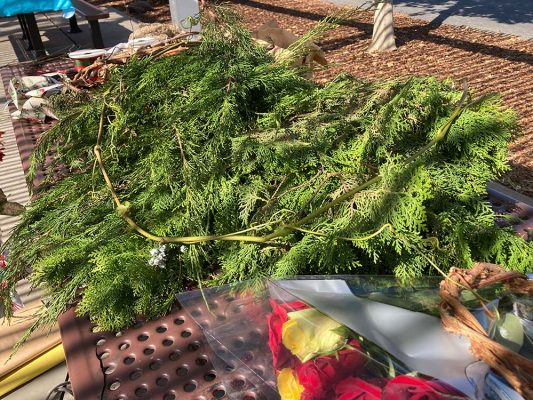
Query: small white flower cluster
x=158 y=256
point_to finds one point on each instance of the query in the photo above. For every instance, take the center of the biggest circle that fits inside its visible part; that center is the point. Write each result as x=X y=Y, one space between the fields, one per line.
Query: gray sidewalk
x=513 y=17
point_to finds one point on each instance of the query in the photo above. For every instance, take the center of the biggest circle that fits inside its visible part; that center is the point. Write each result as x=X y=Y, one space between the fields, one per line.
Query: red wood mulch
x=490 y=62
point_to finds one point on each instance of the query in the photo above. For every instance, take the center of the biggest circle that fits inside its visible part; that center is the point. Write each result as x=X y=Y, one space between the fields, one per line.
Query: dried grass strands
x=456 y=318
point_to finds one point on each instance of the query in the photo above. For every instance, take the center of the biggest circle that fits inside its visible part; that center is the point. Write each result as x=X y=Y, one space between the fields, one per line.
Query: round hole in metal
x=114 y=385
x=256 y=335
x=201 y=361
x=179 y=321
x=175 y=355
x=238 y=383
x=136 y=374
x=236 y=310
x=229 y=299
x=138 y=324
x=247 y=356
x=119 y=334
x=196 y=313
x=162 y=381
x=238 y=343
x=104 y=355
x=210 y=376
x=182 y=371
x=110 y=369
x=143 y=337
x=161 y=329
x=229 y=367
x=193 y=346
x=124 y=346
x=259 y=371
x=168 y=342
x=219 y=392
x=169 y=396
x=100 y=342
x=221 y=317
x=186 y=334
x=149 y=350
x=156 y=364
x=249 y=396
x=213 y=305
x=190 y=386
x=141 y=391
x=204 y=325
x=129 y=359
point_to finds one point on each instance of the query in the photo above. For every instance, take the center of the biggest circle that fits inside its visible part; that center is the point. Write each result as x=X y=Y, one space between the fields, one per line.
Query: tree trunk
x=383 y=33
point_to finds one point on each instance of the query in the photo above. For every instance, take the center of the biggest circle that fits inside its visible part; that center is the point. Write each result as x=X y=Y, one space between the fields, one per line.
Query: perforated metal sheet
x=235 y=325
x=162 y=359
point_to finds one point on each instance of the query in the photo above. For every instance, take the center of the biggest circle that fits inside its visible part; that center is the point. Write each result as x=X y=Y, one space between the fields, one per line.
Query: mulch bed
x=490 y=62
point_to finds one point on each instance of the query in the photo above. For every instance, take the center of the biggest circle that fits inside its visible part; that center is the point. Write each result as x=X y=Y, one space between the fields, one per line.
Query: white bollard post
x=181 y=12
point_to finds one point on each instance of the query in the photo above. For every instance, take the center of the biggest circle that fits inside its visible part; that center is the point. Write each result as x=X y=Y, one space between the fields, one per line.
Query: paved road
x=513 y=17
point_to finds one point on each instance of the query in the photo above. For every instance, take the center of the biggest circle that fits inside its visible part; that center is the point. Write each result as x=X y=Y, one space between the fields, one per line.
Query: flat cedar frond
x=220 y=139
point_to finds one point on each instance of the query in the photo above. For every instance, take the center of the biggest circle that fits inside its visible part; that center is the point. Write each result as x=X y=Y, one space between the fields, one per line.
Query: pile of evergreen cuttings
x=219 y=164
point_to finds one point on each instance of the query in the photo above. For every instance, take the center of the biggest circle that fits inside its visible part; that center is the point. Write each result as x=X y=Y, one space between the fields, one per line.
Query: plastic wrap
x=313 y=339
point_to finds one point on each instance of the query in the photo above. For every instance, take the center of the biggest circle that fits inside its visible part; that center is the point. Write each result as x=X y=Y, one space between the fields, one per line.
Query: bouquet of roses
x=316 y=358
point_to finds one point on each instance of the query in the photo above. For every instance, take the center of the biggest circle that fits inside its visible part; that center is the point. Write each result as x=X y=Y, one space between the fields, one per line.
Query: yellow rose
x=288 y=386
x=308 y=333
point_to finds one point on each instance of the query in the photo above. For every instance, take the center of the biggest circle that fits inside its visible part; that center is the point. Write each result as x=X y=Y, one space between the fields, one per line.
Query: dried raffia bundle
x=233 y=166
x=456 y=318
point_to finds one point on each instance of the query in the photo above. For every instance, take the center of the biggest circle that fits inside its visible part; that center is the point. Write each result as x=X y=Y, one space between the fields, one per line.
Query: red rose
x=320 y=375
x=412 y=388
x=280 y=355
x=357 y=389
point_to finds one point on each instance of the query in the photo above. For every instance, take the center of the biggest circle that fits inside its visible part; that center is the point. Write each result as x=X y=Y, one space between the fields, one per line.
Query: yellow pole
x=32 y=369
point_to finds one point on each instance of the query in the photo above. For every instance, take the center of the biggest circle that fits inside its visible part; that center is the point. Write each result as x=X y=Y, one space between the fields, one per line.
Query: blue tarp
x=13 y=7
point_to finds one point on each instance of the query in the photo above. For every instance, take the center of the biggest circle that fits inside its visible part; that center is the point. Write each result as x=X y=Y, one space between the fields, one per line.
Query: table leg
x=73 y=22
x=23 y=27
x=96 y=34
x=33 y=34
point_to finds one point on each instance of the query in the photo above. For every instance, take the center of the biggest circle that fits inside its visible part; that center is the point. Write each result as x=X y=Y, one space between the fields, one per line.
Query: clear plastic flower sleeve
x=337 y=339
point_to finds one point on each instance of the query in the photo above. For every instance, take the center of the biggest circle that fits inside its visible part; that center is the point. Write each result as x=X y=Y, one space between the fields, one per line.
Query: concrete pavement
x=513 y=17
